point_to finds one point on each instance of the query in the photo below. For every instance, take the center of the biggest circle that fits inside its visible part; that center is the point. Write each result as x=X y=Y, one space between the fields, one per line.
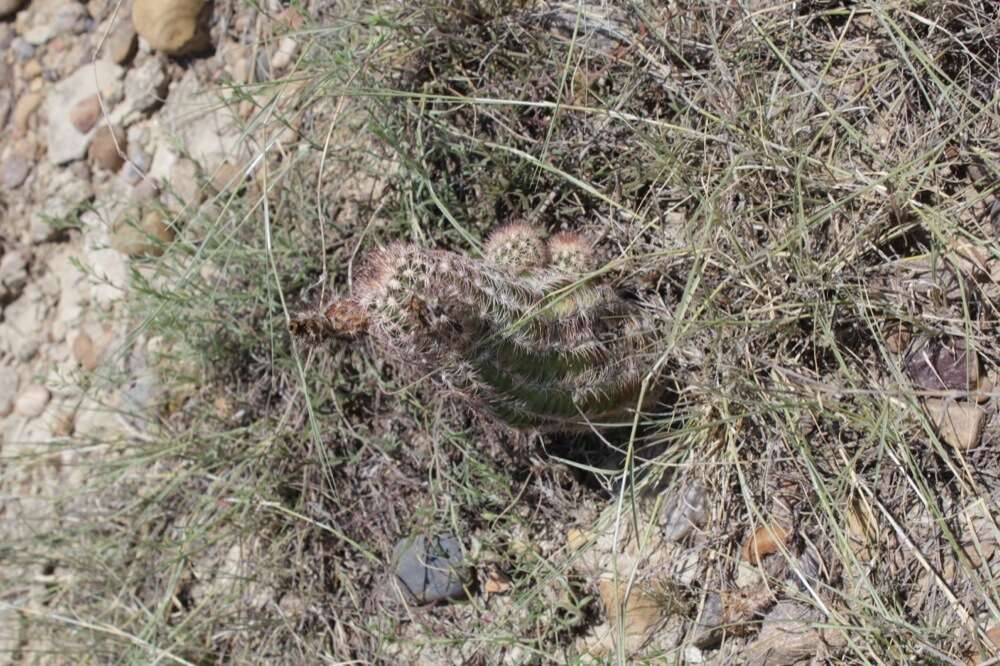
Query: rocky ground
x=107 y=139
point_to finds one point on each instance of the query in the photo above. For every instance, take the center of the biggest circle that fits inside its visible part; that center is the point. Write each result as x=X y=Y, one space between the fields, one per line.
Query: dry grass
x=782 y=183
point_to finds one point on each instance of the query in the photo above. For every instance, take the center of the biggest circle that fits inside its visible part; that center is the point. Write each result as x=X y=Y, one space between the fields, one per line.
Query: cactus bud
x=517 y=247
x=571 y=253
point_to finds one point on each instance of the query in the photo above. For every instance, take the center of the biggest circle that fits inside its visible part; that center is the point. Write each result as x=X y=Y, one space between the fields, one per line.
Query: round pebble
x=107 y=148
x=14 y=171
x=85 y=113
x=85 y=352
x=32 y=401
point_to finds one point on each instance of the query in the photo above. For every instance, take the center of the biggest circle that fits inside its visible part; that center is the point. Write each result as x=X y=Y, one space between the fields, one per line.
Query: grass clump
x=803 y=196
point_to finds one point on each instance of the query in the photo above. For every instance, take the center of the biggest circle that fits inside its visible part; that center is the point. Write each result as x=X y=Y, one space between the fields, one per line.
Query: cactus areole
x=520 y=332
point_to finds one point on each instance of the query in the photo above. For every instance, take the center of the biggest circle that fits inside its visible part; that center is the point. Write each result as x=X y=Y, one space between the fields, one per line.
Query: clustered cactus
x=521 y=332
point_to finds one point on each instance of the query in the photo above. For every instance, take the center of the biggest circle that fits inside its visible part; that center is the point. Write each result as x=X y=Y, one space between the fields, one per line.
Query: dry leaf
x=763 y=542
x=641 y=610
x=497 y=582
x=897 y=337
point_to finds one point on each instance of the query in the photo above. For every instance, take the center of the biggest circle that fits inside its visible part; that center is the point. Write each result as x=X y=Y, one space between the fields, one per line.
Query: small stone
x=707 y=631
x=184 y=188
x=787 y=636
x=98 y=9
x=430 y=568
x=137 y=166
x=13 y=275
x=685 y=513
x=85 y=352
x=50 y=18
x=85 y=113
x=121 y=44
x=944 y=365
x=206 y=131
x=284 y=54
x=15 y=171
x=26 y=105
x=64 y=193
x=32 y=401
x=147 y=238
x=21 y=49
x=8 y=390
x=32 y=69
x=81 y=170
x=65 y=142
x=958 y=424
x=145 y=87
x=146 y=191
x=107 y=149
x=174 y=27
x=693 y=655
x=141 y=399
x=8 y=7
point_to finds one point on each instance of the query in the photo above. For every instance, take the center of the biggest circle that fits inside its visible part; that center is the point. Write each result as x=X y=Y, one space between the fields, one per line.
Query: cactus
x=520 y=335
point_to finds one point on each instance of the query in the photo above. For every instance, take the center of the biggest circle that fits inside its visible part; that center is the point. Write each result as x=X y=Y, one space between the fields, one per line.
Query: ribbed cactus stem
x=521 y=339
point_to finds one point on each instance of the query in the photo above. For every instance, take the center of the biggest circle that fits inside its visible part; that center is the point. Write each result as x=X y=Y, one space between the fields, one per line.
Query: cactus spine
x=516 y=333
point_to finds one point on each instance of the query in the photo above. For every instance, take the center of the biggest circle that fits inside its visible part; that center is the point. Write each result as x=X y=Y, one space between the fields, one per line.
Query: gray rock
x=138 y=164
x=64 y=194
x=140 y=399
x=14 y=171
x=25 y=324
x=195 y=118
x=8 y=390
x=707 y=630
x=145 y=89
x=121 y=44
x=21 y=49
x=788 y=636
x=66 y=143
x=430 y=568
x=48 y=18
x=13 y=275
x=685 y=513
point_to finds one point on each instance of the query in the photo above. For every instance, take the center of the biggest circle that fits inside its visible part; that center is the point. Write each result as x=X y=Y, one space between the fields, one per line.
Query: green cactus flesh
x=531 y=343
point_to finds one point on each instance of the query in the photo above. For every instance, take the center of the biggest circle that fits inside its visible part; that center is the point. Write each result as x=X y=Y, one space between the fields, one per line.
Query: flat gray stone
x=65 y=142
x=430 y=568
